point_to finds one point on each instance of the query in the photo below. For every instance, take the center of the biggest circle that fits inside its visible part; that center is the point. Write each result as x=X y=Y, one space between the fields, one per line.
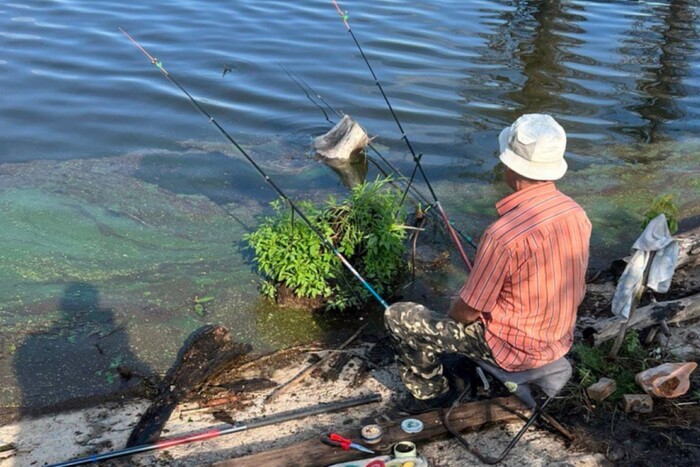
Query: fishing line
x=418 y=195
x=293 y=205
x=404 y=137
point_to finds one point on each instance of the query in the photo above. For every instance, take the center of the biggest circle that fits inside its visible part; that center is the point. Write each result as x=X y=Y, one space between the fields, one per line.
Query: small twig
x=264 y=358
x=586 y=400
x=679 y=404
x=114 y=330
x=413 y=256
x=300 y=376
x=594 y=277
x=8 y=447
x=137 y=219
x=557 y=426
x=668 y=438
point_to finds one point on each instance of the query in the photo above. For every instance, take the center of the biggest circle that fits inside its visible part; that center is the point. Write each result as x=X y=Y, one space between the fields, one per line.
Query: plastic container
x=669 y=380
x=404 y=449
x=371 y=434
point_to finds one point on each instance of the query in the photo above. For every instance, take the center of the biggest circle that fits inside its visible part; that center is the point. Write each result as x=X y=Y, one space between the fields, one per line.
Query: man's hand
x=463 y=313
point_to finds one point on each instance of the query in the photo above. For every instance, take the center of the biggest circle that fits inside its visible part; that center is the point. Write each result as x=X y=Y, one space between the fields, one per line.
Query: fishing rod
x=217 y=432
x=307 y=89
x=404 y=137
x=291 y=203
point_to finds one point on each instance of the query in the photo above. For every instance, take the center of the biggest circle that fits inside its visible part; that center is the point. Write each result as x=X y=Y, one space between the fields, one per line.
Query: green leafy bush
x=366 y=229
x=663 y=205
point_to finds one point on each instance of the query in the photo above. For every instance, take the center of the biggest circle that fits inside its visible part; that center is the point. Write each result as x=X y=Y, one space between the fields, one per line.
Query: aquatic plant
x=366 y=228
x=663 y=205
x=200 y=304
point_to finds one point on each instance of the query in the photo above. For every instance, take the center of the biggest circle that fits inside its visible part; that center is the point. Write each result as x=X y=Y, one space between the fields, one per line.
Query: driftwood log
x=312 y=452
x=207 y=353
x=670 y=312
x=689 y=254
x=343 y=142
x=686 y=292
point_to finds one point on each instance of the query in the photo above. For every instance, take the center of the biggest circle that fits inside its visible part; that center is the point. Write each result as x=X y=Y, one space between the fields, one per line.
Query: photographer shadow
x=83 y=359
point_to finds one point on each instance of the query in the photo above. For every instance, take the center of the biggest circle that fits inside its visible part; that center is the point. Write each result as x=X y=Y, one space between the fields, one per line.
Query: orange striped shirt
x=528 y=277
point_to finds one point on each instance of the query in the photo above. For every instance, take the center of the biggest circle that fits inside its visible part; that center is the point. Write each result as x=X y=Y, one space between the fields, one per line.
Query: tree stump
x=344 y=142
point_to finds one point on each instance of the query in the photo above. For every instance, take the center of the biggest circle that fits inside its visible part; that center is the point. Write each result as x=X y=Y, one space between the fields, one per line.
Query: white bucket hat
x=534 y=146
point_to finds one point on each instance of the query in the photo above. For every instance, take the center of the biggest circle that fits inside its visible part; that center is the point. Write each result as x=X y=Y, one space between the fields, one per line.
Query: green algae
x=147 y=252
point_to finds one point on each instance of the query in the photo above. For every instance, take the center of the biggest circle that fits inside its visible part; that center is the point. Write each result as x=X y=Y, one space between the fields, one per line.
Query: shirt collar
x=514 y=200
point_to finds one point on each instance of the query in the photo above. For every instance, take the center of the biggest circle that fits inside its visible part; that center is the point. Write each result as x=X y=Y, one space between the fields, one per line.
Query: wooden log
x=344 y=141
x=689 y=252
x=206 y=353
x=352 y=172
x=312 y=452
x=672 y=312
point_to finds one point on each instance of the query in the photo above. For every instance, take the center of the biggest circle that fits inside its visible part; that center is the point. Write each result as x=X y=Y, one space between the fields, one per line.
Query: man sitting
x=517 y=308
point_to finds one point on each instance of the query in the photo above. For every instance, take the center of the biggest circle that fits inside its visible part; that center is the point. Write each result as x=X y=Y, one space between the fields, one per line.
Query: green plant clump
x=592 y=363
x=663 y=205
x=366 y=229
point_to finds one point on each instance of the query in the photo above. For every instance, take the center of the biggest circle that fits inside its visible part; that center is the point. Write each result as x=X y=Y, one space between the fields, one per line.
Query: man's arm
x=463 y=313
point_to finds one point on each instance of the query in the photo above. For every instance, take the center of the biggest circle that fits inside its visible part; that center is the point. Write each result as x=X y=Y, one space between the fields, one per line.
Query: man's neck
x=522 y=183
x=517 y=182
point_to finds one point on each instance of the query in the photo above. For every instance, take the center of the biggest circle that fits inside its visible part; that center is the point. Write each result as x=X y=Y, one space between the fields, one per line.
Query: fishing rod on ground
x=217 y=432
x=416 y=158
x=291 y=203
x=418 y=195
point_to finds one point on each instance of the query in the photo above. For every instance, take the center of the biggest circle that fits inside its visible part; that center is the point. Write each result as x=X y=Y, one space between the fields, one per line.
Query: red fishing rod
x=217 y=432
x=416 y=158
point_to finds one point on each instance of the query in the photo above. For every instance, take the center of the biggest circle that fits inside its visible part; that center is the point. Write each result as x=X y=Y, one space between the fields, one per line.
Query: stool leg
x=491 y=460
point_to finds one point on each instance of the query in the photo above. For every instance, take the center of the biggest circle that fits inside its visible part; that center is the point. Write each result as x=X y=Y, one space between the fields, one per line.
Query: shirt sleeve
x=483 y=286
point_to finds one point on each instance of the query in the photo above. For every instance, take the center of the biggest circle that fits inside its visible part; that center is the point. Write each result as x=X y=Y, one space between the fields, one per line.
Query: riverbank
x=367 y=369
x=604 y=435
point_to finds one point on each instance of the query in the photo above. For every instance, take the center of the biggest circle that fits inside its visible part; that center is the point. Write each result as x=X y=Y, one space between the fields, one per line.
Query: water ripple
x=449 y=71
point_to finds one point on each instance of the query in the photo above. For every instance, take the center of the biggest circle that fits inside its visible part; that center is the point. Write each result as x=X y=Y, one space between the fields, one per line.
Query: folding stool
x=550 y=379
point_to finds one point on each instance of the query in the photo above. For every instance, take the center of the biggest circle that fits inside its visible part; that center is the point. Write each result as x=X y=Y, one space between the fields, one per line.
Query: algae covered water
x=121 y=208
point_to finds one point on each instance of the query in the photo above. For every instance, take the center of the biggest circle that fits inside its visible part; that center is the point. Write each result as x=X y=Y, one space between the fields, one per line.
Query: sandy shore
x=106 y=427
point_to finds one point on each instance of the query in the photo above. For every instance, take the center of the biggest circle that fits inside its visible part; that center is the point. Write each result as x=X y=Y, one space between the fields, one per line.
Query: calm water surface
x=612 y=72
x=121 y=205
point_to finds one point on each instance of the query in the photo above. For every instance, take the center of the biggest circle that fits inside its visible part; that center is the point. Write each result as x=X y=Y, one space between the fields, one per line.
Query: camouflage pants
x=420 y=335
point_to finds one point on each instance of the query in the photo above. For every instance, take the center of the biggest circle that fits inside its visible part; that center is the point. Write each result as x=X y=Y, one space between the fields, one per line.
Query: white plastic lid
x=412 y=425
